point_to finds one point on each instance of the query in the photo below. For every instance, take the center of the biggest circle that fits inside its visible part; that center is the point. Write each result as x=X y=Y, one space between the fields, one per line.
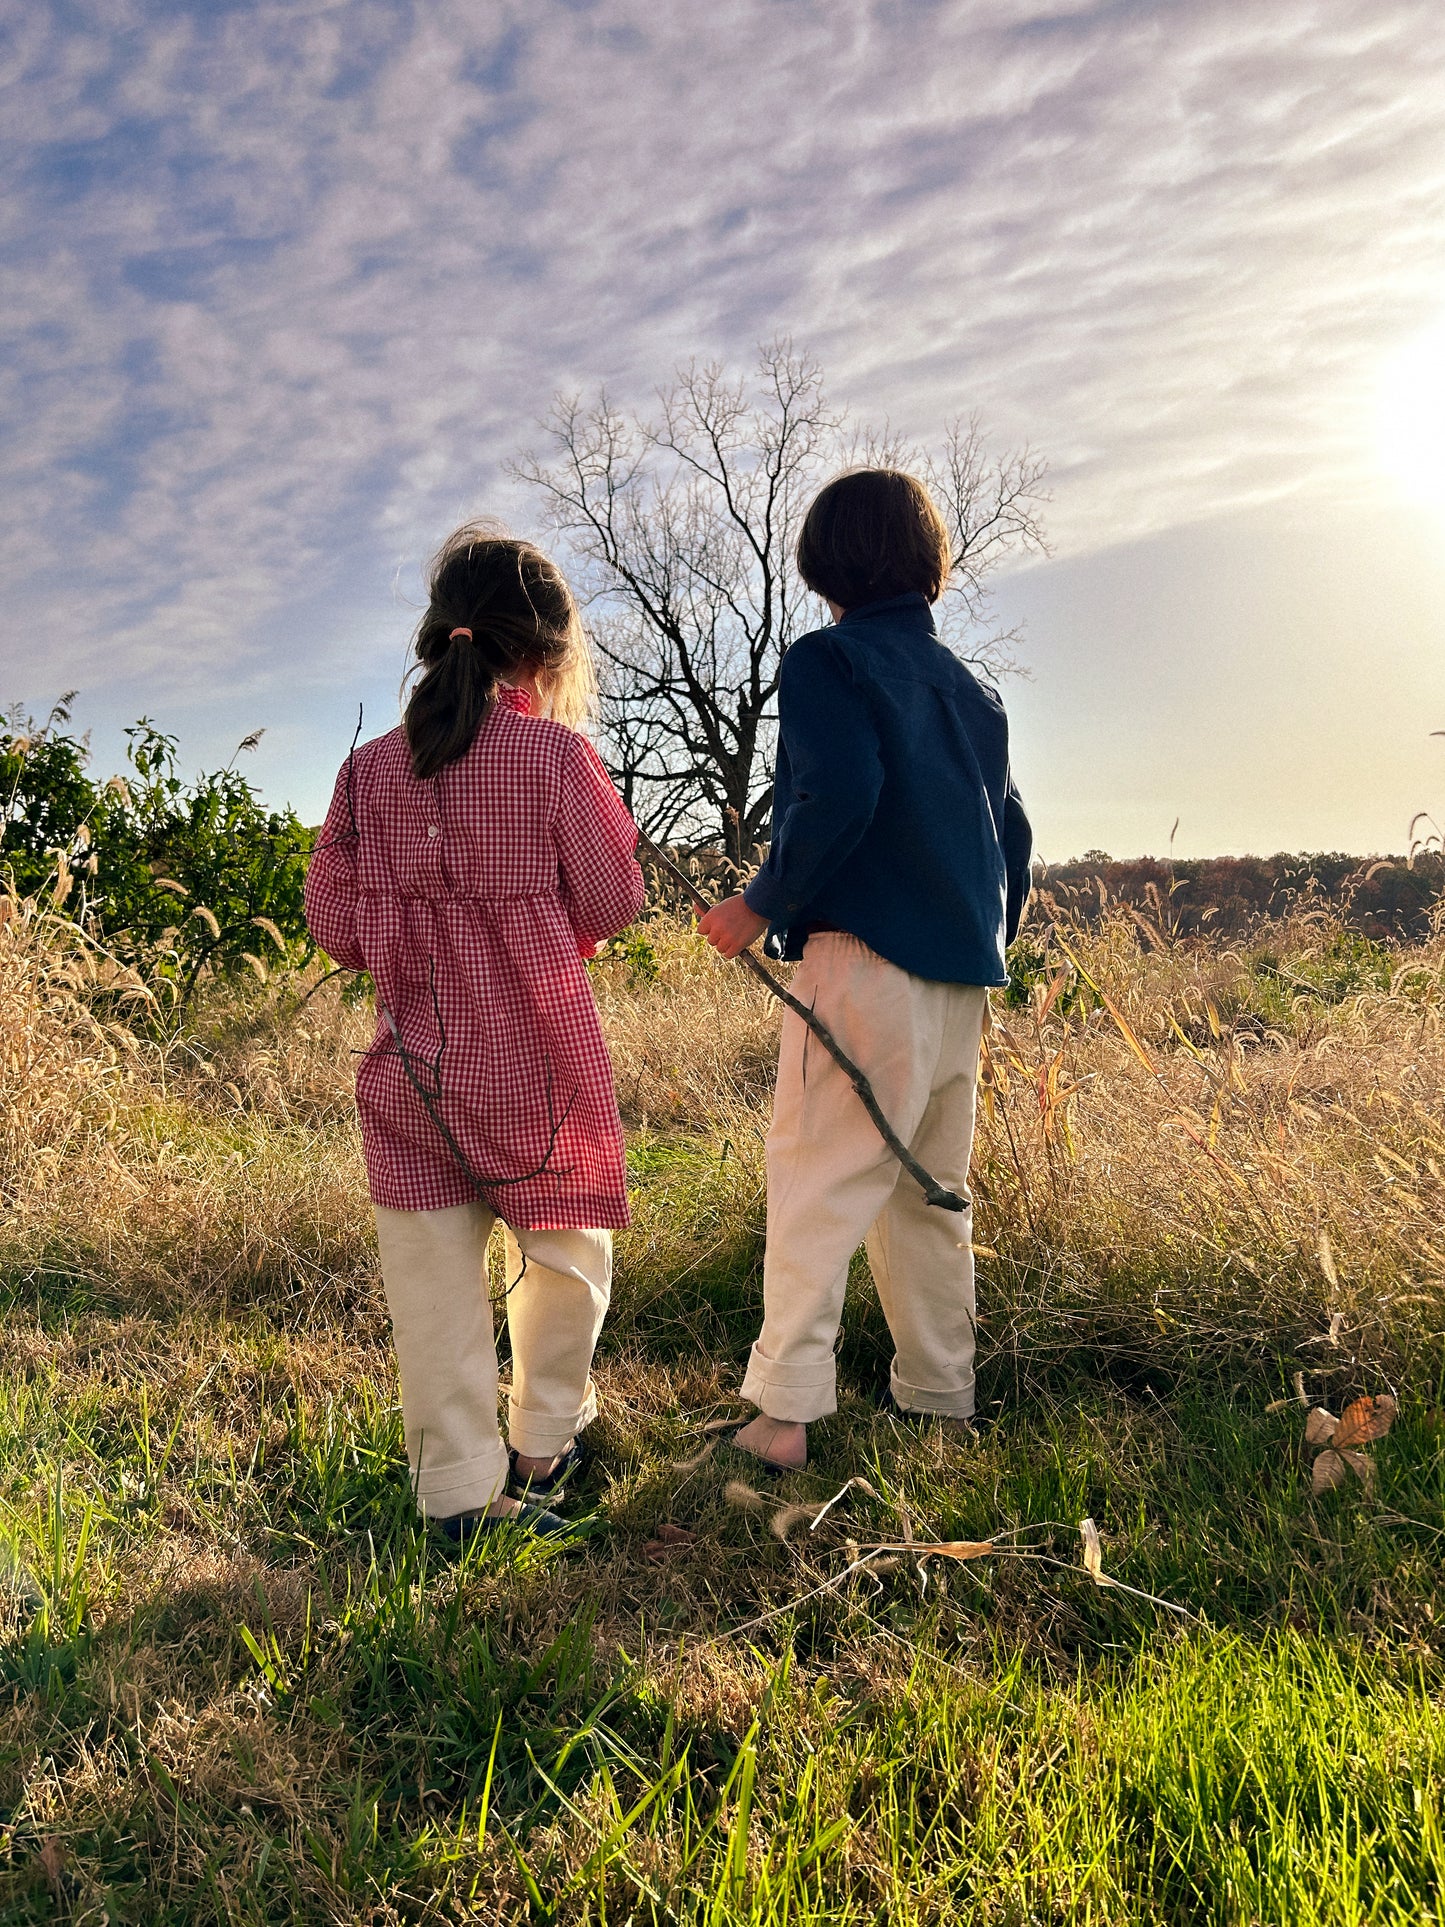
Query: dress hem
x=580 y=1217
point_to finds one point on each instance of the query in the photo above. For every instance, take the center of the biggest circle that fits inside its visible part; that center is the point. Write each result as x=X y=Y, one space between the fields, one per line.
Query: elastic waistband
x=843 y=936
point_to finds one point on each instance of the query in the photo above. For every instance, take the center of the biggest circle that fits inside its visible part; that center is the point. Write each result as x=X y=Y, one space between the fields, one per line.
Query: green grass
x=241 y=1684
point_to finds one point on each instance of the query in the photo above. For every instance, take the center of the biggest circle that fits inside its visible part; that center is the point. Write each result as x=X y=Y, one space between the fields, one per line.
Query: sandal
x=545 y=1485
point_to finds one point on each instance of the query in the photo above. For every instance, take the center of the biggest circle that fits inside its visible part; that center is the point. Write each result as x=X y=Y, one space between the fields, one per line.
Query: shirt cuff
x=766 y=897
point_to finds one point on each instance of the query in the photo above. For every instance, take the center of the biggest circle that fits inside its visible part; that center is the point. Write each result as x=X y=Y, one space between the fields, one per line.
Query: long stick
x=933 y=1191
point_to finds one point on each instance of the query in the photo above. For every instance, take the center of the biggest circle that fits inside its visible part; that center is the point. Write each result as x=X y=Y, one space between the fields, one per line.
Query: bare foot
x=503 y=1508
x=779 y=1441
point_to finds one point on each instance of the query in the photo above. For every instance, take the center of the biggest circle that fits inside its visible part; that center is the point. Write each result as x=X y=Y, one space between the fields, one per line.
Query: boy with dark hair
x=898 y=873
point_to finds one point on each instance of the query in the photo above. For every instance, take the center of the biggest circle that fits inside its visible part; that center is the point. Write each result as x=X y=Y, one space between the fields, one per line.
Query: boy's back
x=895 y=816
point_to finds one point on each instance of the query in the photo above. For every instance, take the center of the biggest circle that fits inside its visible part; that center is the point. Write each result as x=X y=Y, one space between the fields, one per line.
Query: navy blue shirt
x=895 y=817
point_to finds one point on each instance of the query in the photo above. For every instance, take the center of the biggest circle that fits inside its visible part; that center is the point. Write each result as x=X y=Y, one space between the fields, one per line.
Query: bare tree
x=682 y=528
x=993 y=505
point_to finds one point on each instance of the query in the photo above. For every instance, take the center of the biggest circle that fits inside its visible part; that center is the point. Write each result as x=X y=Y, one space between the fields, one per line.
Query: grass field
x=238 y=1683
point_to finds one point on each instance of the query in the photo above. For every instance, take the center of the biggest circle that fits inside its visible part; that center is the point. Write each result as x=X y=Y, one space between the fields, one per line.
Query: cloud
x=286 y=283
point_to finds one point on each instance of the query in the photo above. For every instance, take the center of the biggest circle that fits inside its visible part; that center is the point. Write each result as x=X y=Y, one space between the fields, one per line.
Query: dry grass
x=693 y=1045
x=1197 y=1172
x=1202 y=1161
x=64 y=1069
x=1159 y=1168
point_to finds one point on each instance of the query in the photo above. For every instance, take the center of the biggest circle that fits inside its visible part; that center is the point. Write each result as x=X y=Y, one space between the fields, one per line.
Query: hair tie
x=460 y=632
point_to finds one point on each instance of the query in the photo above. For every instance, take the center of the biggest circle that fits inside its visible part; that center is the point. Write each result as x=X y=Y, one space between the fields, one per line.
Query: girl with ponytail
x=471 y=860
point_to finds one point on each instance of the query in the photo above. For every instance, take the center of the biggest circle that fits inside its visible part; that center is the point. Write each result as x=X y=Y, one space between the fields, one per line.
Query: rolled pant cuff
x=795 y=1404
x=919 y=1398
x=468 y=1486
x=542 y=1435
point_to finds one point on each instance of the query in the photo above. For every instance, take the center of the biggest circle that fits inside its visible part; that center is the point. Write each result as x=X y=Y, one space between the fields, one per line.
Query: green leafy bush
x=1348 y=964
x=636 y=950
x=175 y=877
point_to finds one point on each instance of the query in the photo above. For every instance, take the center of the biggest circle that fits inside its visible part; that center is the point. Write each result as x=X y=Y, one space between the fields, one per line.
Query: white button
x=433 y=829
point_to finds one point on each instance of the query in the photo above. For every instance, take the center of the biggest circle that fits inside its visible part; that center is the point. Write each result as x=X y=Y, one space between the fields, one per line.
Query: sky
x=284 y=286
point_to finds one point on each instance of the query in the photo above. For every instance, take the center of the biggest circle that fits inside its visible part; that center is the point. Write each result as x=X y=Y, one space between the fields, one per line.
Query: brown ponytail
x=497 y=607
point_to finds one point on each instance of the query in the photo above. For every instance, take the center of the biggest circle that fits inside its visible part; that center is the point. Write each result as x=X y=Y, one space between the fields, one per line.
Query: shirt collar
x=510 y=697
x=910 y=611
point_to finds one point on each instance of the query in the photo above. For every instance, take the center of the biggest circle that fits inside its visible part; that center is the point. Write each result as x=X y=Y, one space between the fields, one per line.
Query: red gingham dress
x=472 y=898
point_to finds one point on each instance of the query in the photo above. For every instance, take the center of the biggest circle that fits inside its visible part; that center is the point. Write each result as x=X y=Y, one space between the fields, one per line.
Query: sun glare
x=1411 y=420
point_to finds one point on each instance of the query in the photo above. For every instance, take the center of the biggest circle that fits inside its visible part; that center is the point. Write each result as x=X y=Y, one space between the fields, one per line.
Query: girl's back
x=472 y=893
x=485 y=826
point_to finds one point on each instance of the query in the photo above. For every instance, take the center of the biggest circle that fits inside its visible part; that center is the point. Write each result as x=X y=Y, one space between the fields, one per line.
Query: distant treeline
x=1219 y=896
x=1228 y=895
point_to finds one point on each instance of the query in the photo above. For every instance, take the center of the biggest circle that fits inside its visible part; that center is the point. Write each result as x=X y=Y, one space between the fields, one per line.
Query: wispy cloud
x=285 y=283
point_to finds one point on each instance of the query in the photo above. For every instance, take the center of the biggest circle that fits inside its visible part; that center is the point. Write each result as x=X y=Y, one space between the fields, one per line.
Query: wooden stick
x=933 y=1191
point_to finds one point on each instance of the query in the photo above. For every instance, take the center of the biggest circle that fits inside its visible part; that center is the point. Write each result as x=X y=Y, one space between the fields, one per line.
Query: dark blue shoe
x=463 y=1527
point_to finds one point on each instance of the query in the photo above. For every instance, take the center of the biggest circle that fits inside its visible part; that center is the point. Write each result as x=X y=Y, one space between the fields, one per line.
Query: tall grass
x=239 y=1683
x=1192 y=1153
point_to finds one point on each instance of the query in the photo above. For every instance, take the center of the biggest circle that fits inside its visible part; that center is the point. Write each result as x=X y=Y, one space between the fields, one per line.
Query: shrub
x=176 y=878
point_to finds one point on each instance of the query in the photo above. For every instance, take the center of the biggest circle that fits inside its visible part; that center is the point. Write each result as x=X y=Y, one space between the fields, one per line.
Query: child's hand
x=730 y=926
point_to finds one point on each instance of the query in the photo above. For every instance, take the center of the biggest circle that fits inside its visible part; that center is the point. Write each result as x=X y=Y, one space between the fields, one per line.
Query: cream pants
x=434 y=1267
x=833 y=1184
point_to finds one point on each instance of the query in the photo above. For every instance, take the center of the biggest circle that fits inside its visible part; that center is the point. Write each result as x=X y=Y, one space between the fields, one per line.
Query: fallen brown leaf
x=1363 y=1421
x=1320 y=1426
x=1332 y=1467
x=52 y=1861
x=668 y=1539
x=1330 y=1470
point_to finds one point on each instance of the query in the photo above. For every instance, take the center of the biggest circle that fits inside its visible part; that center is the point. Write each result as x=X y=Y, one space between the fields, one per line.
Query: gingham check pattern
x=472 y=898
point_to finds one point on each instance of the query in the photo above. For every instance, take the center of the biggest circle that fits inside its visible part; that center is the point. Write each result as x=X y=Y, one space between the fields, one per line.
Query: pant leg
x=829 y=1172
x=556 y=1303
x=922 y=1257
x=434 y=1267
